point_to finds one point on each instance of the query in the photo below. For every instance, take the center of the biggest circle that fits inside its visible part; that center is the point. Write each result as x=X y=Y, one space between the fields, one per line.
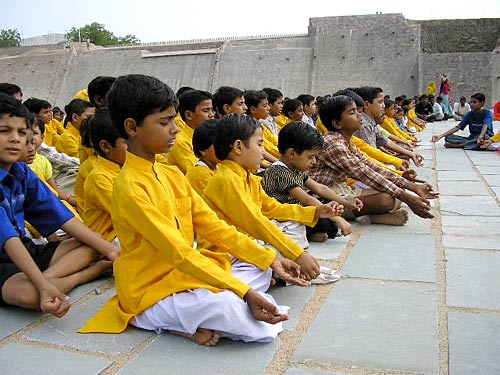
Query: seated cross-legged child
x=275 y=101
x=339 y=159
x=162 y=282
x=203 y=146
x=287 y=181
x=85 y=168
x=98 y=186
x=229 y=100
x=195 y=106
x=239 y=145
x=76 y=111
x=38 y=276
x=53 y=128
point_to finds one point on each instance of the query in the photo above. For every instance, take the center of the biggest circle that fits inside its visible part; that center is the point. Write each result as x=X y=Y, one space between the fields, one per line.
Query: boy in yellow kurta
x=98 y=186
x=76 y=111
x=200 y=173
x=244 y=204
x=195 y=106
x=159 y=276
x=43 y=109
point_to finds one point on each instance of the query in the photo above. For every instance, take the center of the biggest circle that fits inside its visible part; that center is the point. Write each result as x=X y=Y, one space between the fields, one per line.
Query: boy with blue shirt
x=31 y=276
x=480 y=122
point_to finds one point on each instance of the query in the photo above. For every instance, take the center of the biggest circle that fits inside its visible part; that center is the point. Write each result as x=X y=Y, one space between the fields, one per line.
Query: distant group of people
x=199 y=202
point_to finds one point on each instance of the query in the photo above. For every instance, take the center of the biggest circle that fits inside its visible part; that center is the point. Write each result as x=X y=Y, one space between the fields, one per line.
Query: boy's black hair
x=422 y=97
x=57 y=110
x=439 y=98
x=190 y=99
x=479 y=97
x=399 y=109
x=35 y=105
x=398 y=99
x=306 y=99
x=10 y=88
x=225 y=95
x=85 y=133
x=431 y=96
x=204 y=135
x=332 y=108
x=368 y=93
x=272 y=94
x=253 y=98
x=100 y=85
x=12 y=107
x=101 y=129
x=358 y=100
x=388 y=103
x=137 y=96
x=37 y=121
x=182 y=90
x=407 y=101
x=233 y=127
x=76 y=106
x=291 y=105
x=299 y=136
x=405 y=109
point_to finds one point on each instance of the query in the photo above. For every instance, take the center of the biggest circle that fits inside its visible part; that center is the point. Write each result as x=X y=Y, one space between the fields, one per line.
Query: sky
x=167 y=20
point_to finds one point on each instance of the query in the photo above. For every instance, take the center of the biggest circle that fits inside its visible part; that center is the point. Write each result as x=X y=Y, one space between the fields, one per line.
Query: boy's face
x=118 y=152
x=37 y=137
x=476 y=104
x=59 y=116
x=156 y=135
x=77 y=120
x=399 y=115
x=237 y=106
x=12 y=140
x=310 y=109
x=462 y=102
x=350 y=120
x=253 y=152
x=297 y=114
x=376 y=108
x=261 y=111
x=276 y=107
x=208 y=156
x=303 y=161
x=28 y=155
x=46 y=114
x=390 y=111
x=202 y=112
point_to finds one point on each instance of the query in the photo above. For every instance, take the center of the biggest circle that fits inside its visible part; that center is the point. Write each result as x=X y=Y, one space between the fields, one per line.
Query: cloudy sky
x=167 y=20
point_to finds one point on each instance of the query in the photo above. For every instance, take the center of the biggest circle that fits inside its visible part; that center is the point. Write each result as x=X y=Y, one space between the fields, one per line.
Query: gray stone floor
x=418 y=299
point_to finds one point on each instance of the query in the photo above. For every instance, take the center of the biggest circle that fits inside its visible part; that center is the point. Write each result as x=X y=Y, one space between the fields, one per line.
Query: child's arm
x=88 y=237
x=436 y=138
x=327 y=193
x=480 y=139
x=51 y=299
x=417 y=158
x=61 y=194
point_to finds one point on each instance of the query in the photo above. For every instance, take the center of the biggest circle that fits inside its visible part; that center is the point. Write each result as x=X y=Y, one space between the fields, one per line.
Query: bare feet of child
x=202 y=336
x=398 y=217
x=318 y=237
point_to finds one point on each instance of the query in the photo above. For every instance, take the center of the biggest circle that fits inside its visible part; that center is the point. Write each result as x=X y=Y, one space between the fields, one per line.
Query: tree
x=96 y=33
x=10 y=38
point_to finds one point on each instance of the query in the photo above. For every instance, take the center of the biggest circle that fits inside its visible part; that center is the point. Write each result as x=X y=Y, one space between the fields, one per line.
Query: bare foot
x=398 y=217
x=202 y=336
x=318 y=237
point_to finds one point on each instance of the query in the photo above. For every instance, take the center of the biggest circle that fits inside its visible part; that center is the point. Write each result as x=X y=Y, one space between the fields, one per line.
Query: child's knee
x=19 y=291
x=387 y=202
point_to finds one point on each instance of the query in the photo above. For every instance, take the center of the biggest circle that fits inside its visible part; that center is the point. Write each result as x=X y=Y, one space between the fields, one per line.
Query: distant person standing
x=444 y=92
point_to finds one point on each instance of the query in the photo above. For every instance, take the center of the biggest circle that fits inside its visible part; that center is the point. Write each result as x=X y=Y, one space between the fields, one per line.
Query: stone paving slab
x=14 y=319
x=462 y=188
x=483 y=158
x=300 y=371
x=485 y=242
x=63 y=332
x=474 y=206
x=169 y=354
x=493 y=179
x=415 y=224
x=393 y=257
x=489 y=169
x=474 y=343
x=473 y=279
x=296 y=298
x=487 y=224
x=375 y=325
x=458 y=175
x=496 y=190
x=30 y=359
x=330 y=249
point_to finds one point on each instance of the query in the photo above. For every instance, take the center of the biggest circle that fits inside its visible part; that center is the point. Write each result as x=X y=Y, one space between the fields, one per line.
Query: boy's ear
x=336 y=124
x=188 y=115
x=105 y=146
x=130 y=126
x=226 y=109
x=252 y=110
x=73 y=118
x=290 y=152
x=238 y=147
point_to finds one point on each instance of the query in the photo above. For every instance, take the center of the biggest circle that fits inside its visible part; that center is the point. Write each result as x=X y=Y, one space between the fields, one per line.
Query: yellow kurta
x=321 y=128
x=180 y=122
x=198 y=177
x=85 y=168
x=496 y=138
x=42 y=167
x=84 y=153
x=70 y=141
x=392 y=127
x=378 y=156
x=156 y=229
x=53 y=130
x=182 y=154
x=98 y=188
x=413 y=118
x=282 y=121
x=270 y=142
x=237 y=197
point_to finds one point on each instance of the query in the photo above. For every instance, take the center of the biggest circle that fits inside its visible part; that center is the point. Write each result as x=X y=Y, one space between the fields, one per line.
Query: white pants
x=296 y=231
x=224 y=311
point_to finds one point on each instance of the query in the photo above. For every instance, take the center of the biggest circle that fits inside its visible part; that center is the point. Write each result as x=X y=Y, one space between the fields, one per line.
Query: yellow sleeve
x=321 y=128
x=50 y=136
x=375 y=153
x=270 y=142
x=496 y=137
x=282 y=121
x=59 y=126
x=182 y=155
x=391 y=126
x=67 y=145
x=198 y=177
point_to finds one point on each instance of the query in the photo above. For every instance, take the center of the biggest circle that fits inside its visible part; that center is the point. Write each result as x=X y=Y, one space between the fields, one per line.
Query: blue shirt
x=476 y=121
x=23 y=196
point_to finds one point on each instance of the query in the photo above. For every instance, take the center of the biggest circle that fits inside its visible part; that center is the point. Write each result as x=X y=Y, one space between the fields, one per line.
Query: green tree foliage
x=96 y=33
x=10 y=38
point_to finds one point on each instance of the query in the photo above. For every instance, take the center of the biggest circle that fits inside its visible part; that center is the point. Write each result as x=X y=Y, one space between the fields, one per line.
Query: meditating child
x=293 y=110
x=229 y=100
x=76 y=111
x=286 y=181
x=239 y=145
x=162 y=282
x=275 y=101
x=43 y=109
x=38 y=276
x=195 y=106
x=98 y=186
x=203 y=147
